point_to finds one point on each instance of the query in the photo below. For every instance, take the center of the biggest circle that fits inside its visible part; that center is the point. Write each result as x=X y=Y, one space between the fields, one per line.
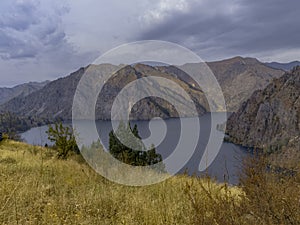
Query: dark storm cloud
x=34 y=44
x=46 y=39
x=27 y=29
x=11 y=47
x=232 y=26
x=20 y=16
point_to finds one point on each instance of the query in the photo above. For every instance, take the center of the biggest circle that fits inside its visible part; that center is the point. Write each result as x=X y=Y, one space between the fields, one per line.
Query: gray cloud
x=33 y=42
x=233 y=27
x=46 y=39
x=27 y=30
x=20 y=16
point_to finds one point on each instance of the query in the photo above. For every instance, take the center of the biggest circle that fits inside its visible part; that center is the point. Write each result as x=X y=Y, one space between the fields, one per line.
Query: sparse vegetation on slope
x=271 y=117
x=238 y=77
x=37 y=188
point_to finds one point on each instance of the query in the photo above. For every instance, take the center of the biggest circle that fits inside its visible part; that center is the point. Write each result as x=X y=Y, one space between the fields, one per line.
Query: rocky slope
x=151 y=106
x=271 y=117
x=6 y=94
x=56 y=98
x=238 y=77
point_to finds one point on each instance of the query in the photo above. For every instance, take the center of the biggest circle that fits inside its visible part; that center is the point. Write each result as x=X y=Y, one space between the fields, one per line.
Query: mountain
x=271 y=117
x=238 y=77
x=283 y=66
x=22 y=90
x=56 y=98
x=151 y=106
x=52 y=100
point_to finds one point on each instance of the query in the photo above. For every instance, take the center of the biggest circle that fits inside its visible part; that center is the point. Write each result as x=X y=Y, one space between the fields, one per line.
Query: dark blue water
x=226 y=167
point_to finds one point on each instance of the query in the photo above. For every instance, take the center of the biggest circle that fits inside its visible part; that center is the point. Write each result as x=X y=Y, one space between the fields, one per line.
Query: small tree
x=64 y=139
x=128 y=155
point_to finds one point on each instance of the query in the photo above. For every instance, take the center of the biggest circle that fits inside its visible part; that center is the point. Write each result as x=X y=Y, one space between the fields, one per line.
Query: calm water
x=226 y=166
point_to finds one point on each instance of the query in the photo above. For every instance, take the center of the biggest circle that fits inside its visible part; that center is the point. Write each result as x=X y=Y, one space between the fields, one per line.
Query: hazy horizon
x=41 y=81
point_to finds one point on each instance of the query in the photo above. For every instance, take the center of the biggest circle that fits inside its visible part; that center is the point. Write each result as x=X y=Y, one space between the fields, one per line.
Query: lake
x=227 y=165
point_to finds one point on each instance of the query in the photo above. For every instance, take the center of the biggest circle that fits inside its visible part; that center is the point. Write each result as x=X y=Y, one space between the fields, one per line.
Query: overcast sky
x=46 y=39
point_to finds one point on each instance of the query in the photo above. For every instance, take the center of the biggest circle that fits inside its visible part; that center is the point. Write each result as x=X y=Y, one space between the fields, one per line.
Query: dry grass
x=36 y=188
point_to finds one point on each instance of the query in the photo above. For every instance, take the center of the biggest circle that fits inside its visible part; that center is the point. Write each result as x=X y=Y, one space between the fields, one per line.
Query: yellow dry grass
x=36 y=188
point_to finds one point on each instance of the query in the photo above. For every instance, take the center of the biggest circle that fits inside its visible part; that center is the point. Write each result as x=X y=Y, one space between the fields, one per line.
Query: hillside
x=56 y=98
x=6 y=94
x=151 y=106
x=37 y=188
x=238 y=77
x=271 y=117
x=44 y=190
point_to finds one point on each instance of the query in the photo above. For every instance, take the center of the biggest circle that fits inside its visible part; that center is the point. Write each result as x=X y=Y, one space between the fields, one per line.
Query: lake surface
x=227 y=165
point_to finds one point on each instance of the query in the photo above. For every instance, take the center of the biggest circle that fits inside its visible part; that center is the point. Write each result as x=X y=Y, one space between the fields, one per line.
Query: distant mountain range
x=283 y=66
x=238 y=77
x=56 y=98
x=6 y=94
x=271 y=117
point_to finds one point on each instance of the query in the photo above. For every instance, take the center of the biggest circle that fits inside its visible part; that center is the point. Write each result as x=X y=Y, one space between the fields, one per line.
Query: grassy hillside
x=36 y=188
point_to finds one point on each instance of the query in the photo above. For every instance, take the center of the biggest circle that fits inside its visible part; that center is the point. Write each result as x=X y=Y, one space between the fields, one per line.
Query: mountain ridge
x=238 y=77
x=55 y=100
x=283 y=66
x=271 y=116
x=6 y=94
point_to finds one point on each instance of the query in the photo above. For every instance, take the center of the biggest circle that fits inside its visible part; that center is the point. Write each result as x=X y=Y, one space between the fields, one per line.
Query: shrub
x=4 y=137
x=265 y=197
x=128 y=155
x=273 y=198
x=64 y=139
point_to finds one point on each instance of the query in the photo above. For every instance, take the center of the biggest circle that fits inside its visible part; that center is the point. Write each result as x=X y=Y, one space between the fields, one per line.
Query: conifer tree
x=128 y=155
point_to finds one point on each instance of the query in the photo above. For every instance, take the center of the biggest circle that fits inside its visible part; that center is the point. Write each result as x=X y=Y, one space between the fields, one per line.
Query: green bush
x=64 y=139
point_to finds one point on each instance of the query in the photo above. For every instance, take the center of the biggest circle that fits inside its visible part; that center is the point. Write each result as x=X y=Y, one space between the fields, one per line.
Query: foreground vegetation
x=38 y=188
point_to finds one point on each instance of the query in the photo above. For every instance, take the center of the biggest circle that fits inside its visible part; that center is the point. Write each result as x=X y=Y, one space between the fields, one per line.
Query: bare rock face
x=238 y=78
x=149 y=107
x=55 y=99
x=271 y=116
